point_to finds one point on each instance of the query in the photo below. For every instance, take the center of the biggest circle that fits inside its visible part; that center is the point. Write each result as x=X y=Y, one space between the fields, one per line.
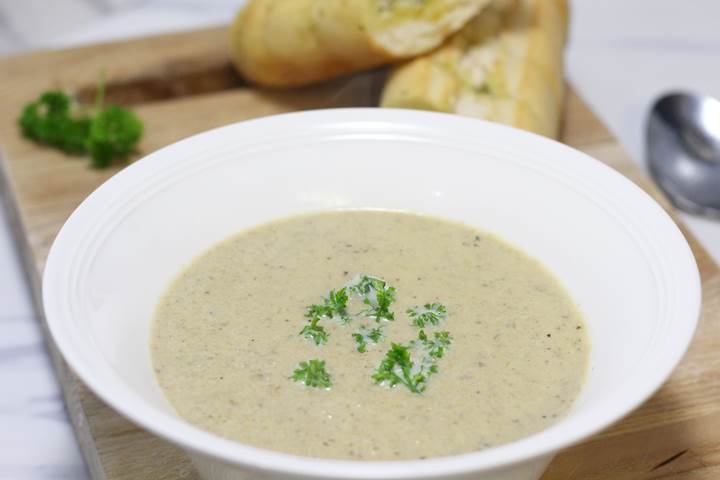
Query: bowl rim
x=541 y=444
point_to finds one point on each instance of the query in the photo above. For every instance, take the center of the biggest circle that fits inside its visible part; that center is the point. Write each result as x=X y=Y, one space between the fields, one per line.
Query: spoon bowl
x=683 y=151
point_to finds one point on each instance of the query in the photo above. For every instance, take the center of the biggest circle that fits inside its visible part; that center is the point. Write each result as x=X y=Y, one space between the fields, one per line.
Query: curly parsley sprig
x=428 y=314
x=376 y=294
x=315 y=332
x=410 y=365
x=364 y=335
x=434 y=347
x=334 y=307
x=312 y=374
x=52 y=119
x=105 y=133
x=399 y=368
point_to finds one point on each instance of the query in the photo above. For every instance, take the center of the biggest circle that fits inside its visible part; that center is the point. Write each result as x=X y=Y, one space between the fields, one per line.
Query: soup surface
x=226 y=343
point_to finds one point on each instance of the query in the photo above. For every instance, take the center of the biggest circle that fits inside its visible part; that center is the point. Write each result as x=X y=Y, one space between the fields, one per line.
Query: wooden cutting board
x=182 y=84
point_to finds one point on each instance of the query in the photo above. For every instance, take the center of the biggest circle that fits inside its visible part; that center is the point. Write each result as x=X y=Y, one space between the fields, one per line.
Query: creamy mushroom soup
x=368 y=335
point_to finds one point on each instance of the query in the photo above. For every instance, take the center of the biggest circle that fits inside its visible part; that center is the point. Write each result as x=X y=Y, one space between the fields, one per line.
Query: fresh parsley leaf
x=318 y=311
x=435 y=347
x=337 y=302
x=315 y=332
x=109 y=133
x=410 y=365
x=375 y=334
x=50 y=120
x=364 y=335
x=313 y=374
x=114 y=131
x=376 y=294
x=428 y=314
x=398 y=368
x=381 y=308
x=364 y=285
x=113 y=134
x=334 y=306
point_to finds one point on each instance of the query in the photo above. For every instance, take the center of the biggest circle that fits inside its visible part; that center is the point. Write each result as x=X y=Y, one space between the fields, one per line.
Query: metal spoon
x=683 y=151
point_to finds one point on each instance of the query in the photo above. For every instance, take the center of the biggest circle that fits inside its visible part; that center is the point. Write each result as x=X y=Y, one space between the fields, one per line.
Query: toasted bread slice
x=296 y=42
x=505 y=65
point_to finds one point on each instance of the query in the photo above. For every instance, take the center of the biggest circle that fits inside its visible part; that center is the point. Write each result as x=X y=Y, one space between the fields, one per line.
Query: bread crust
x=286 y=43
x=506 y=66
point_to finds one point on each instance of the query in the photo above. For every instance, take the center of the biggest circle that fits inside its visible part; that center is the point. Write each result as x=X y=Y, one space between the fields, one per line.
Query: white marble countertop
x=621 y=56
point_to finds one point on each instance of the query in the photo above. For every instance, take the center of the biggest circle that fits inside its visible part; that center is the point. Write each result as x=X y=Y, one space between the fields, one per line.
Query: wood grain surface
x=182 y=84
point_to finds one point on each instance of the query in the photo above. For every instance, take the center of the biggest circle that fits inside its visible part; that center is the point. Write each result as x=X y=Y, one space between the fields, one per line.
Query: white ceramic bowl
x=622 y=258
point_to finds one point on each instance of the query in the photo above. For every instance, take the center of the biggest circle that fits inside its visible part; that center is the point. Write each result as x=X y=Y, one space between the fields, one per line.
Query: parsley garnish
x=364 y=335
x=376 y=294
x=106 y=134
x=362 y=285
x=398 y=366
x=334 y=306
x=380 y=305
x=51 y=120
x=435 y=346
x=428 y=314
x=312 y=373
x=315 y=332
x=410 y=365
x=114 y=132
